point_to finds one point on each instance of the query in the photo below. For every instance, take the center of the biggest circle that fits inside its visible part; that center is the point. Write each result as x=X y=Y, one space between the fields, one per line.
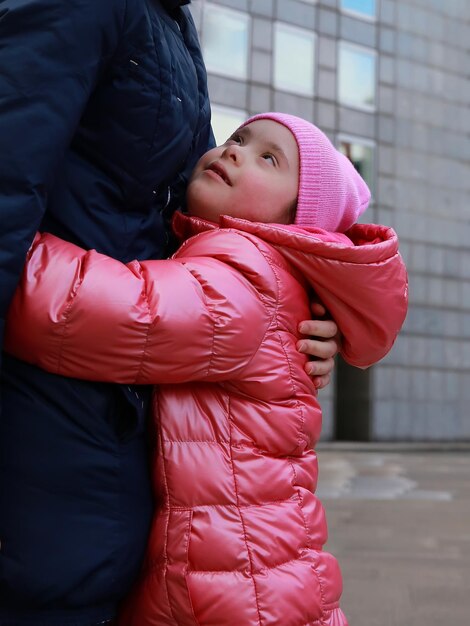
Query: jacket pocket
x=179 y=530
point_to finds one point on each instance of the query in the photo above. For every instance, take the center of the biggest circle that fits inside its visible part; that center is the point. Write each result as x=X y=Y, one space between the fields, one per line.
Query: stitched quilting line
x=294 y=389
x=157 y=563
x=302 y=418
x=299 y=442
x=322 y=593
x=235 y=446
x=186 y=567
x=302 y=421
x=235 y=484
x=292 y=499
x=275 y=271
x=313 y=565
x=165 y=547
x=159 y=82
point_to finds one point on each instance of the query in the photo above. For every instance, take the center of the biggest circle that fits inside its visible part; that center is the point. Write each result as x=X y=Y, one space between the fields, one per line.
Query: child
x=238 y=535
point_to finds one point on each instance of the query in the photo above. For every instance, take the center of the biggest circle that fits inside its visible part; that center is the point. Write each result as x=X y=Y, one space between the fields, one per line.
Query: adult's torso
x=74 y=490
x=140 y=136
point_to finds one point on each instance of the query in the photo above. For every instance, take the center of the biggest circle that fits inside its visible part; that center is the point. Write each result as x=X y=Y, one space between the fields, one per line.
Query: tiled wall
x=422 y=390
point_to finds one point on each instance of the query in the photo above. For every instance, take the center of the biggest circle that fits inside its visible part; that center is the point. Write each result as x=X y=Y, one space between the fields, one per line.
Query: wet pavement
x=399 y=524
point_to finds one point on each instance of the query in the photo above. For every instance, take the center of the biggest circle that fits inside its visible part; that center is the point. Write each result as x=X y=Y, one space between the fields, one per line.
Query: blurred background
x=388 y=81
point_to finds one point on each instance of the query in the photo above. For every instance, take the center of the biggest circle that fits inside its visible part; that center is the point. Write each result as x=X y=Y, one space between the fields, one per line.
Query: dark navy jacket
x=103 y=113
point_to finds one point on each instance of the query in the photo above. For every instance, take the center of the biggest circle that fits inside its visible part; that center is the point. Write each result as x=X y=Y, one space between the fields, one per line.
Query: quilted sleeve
x=377 y=315
x=369 y=305
x=195 y=317
x=51 y=54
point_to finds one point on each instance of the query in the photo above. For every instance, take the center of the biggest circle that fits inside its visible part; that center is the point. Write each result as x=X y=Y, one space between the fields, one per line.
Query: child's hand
x=323 y=345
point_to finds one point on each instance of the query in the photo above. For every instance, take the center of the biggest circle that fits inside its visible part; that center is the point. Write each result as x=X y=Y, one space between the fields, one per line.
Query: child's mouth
x=220 y=172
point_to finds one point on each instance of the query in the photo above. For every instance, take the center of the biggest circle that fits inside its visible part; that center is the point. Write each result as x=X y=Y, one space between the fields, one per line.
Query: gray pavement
x=399 y=524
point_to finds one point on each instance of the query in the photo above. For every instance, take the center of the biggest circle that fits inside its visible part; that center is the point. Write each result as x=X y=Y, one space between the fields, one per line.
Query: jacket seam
x=294 y=391
x=165 y=549
x=302 y=418
x=124 y=16
x=256 y=572
x=212 y=348
x=158 y=113
x=228 y=504
x=237 y=495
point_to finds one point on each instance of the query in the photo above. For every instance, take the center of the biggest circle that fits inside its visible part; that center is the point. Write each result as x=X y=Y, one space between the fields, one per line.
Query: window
x=224 y=121
x=361 y=154
x=356 y=76
x=225 y=41
x=294 y=57
x=364 y=8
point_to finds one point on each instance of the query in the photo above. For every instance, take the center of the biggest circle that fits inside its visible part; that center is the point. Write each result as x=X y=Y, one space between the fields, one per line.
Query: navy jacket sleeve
x=51 y=54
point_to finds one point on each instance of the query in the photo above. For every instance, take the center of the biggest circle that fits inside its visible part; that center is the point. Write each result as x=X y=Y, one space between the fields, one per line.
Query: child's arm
x=82 y=314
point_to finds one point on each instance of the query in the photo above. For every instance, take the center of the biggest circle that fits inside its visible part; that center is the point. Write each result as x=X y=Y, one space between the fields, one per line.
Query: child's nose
x=233 y=152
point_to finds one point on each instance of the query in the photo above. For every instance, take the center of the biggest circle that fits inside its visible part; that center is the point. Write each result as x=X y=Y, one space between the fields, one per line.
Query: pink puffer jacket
x=238 y=537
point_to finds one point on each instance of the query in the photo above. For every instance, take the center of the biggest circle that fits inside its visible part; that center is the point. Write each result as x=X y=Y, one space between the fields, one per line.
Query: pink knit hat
x=332 y=195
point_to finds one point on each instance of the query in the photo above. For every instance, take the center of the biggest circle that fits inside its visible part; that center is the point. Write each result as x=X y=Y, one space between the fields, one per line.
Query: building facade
x=388 y=81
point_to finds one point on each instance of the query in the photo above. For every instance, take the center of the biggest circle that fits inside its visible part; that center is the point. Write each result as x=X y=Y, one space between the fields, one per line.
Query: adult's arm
x=51 y=54
x=195 y=317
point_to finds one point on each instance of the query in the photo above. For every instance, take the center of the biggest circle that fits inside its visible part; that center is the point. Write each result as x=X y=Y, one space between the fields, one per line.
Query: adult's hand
x=323 y=344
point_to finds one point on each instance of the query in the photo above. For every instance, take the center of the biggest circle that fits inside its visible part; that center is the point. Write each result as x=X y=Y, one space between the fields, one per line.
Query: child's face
x=254 y=175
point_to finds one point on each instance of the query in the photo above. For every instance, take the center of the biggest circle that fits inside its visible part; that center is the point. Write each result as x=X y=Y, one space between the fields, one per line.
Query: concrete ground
x=399 y=524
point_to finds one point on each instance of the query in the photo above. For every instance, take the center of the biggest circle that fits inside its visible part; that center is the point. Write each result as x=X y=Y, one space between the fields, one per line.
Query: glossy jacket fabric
x=103 y=112
x=238 y=536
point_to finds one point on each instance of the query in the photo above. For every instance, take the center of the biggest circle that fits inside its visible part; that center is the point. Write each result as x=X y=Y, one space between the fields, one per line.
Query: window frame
x=369 y=108
x=358 y=14
x=314 y=37
x=205 y=8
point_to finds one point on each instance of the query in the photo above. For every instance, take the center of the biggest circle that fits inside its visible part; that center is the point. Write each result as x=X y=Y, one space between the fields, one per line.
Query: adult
x=103 y=113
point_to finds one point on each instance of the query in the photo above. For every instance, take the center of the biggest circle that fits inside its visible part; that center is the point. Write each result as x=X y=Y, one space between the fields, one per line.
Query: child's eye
x=235 y=139
x=269 y=157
